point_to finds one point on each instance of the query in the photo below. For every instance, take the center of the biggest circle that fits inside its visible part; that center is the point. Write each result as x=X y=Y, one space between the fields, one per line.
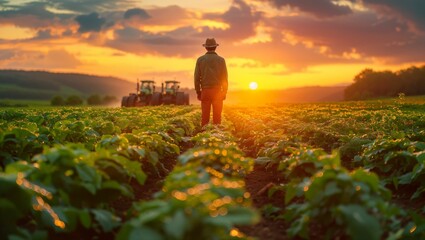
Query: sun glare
x=253 y=85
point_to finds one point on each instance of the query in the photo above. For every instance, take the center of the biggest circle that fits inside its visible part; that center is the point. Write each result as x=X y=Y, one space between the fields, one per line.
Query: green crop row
x=202 y=198
x=64 y=169
x=382 y=145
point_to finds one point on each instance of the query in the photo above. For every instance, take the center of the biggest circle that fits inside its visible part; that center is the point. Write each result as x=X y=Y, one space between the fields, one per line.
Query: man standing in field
x=211 y=82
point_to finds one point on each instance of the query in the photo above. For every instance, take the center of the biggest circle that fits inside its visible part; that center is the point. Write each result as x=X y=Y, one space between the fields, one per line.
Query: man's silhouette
x=211 y=82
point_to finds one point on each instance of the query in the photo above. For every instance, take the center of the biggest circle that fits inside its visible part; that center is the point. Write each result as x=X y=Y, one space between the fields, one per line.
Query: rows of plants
x=328 y=126
x=382 y=151
x=202 y=198
x=62 y=170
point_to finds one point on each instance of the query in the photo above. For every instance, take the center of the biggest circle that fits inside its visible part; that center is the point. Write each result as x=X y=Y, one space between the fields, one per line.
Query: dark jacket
x=211 y=72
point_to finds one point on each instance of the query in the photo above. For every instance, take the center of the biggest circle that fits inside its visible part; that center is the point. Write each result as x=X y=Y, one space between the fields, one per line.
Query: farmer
x=211 y=82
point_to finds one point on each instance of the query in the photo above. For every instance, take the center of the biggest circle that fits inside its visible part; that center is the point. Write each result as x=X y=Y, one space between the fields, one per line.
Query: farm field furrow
x=331 y=171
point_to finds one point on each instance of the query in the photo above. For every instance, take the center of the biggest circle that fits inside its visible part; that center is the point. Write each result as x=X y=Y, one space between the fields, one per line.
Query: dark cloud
x=136 y=12
x=90 y=23
x=32 y=14
x=88 y=6
x=318 y=8
x=295 y=57
x=44 y=34
x=67 y=33
x=409 y=10
x=128 y=33
x=179 y=42
x=365 y=32
x=241 y=19
x=170 y=15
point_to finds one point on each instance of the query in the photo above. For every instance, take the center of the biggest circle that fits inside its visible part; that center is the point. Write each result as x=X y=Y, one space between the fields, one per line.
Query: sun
x=253 y=85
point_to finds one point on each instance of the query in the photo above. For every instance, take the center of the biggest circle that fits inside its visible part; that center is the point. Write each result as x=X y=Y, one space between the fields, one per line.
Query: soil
x=153 y=184
x=257 y=184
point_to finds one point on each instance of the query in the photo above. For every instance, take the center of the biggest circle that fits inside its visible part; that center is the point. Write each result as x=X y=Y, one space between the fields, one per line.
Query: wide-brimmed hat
x=210 y=42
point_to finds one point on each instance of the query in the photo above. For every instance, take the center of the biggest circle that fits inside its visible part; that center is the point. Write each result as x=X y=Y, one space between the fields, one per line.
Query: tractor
x=145 y=95
x=171 y=95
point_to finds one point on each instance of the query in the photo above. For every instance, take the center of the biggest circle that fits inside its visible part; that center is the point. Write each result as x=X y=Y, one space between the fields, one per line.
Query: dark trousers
x=211 y=97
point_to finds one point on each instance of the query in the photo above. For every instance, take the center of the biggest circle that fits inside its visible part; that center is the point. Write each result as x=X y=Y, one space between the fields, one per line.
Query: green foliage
x=73 y=163
x=400 y=161
x=106 y=100
x=94 y=100
x=66 y=167
x=15 y=203
x=73 y=100
x=21 y=143
x=57 y=101
x=203 y=198
x=372 y=84
x=351 y=149
x=384 y=140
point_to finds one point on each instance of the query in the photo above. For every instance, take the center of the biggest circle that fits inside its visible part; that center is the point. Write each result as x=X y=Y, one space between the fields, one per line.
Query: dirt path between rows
x=257 y=183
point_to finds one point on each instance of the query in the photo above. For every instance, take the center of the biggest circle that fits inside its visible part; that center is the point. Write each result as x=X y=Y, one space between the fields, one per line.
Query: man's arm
x=197 y=78
x=224 y=83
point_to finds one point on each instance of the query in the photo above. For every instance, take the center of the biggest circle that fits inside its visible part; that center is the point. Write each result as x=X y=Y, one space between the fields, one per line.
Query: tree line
x=75 y=100
x=375 y=84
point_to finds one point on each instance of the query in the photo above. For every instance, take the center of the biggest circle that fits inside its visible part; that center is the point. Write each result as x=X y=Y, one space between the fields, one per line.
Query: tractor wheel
x=132 y=99
x=156 y=99
x=180 y=98
x=124 y=101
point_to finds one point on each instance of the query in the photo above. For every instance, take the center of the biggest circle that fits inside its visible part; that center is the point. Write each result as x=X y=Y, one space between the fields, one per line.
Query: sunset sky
x=276 y=43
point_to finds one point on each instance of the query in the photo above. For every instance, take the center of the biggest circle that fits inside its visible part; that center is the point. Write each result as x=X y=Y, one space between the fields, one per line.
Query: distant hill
x=41 y=85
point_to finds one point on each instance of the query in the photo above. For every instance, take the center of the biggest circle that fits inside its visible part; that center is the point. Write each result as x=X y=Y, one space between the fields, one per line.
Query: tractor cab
x=147 y=87
x=171 y=87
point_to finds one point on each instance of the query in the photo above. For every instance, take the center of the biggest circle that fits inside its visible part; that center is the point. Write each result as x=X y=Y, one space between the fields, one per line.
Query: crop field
x=353 y=170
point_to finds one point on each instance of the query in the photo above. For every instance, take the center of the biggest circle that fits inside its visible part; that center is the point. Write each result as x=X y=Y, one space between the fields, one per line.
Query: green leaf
x=420 y=156
x=370 y=178
x=177 y=225
x=236 y=215
x=142 y=232
x=331 y=189
x=299 y=227
x=420 y=145
x=106 y=219
x=20 y=166
x=153 y=157
x=152 y=211
x=290 y=193
x=360 y=225
x=406 y=178
x=85 y=218
x=89 y=176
